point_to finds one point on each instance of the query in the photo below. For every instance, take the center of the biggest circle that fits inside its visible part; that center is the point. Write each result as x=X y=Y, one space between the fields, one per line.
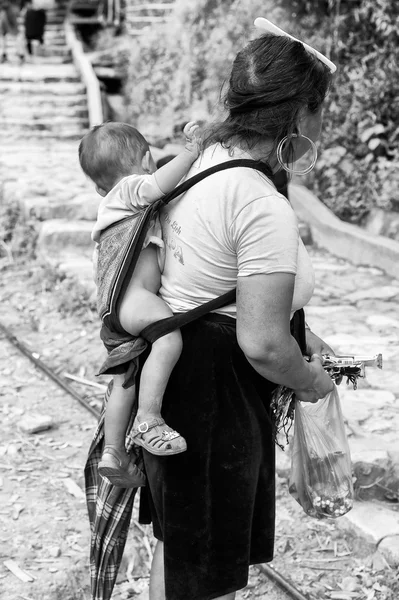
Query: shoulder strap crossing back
x=156 y=330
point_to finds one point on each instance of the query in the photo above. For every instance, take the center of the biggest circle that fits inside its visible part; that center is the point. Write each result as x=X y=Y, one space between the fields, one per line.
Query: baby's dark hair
x=272 y=79
x=110 y=151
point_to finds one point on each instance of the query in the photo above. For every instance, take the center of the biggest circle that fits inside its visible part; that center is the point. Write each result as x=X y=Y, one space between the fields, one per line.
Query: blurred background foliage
x=176 y=73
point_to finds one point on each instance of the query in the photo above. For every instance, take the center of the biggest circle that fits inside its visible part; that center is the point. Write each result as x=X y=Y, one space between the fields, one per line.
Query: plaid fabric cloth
x=110 y=510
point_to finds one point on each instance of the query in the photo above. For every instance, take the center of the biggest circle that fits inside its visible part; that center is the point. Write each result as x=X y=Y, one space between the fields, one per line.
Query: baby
x=117 y=158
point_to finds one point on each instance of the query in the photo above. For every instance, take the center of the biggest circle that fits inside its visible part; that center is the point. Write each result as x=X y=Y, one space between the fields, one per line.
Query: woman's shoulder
x=242 y=186
x=246 y=179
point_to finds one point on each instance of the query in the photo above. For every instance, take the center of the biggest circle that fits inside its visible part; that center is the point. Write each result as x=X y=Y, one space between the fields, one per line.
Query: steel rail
x=282 y=582
x=43 y=367
x=266 y=570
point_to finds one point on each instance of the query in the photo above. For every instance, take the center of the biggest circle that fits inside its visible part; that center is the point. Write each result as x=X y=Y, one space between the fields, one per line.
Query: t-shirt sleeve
x=265 y=237
x=140 y=191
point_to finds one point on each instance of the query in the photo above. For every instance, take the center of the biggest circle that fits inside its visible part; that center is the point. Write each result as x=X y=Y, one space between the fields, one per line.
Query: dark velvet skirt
x=213 y=505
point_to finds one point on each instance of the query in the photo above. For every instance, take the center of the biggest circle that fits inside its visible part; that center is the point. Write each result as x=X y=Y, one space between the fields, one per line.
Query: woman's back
x=232 y=224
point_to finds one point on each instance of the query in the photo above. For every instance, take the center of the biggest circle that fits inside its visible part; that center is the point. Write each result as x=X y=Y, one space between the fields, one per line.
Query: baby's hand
x=192 y=141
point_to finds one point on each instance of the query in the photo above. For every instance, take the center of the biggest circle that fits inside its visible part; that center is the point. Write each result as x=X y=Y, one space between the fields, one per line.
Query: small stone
x=385 y=292
x=382 y=321
x=350 y=584
x=55 y=552
x=34 y=423
x=389 y=547
x=379 y=563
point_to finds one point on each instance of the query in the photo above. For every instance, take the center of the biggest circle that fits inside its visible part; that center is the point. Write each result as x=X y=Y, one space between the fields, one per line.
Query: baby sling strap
x=118 y=268
x=160 y=328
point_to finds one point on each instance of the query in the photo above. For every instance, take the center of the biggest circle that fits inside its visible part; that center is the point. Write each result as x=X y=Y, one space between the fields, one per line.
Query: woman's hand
x=322 y=382
x=315 y=345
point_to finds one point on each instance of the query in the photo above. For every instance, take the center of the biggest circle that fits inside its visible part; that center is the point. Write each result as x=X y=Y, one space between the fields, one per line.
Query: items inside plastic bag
x=321 y=469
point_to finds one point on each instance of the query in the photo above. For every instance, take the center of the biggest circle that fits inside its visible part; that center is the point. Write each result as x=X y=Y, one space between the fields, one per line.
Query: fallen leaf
x=73 y=488
x=17 y=571
x=16 y=511
x=344 y=595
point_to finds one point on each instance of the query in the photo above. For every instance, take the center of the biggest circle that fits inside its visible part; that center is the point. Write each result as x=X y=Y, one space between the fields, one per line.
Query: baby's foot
x=158 y=438
x=120 y=469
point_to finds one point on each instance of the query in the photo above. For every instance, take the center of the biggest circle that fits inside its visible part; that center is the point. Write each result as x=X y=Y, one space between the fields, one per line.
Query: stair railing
x=89 y=78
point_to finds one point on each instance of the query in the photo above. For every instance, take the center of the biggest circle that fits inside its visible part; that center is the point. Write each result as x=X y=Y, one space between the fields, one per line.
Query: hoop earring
x=280 y=155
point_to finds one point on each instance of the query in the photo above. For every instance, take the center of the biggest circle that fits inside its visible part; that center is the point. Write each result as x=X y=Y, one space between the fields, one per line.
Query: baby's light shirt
x=129 y=196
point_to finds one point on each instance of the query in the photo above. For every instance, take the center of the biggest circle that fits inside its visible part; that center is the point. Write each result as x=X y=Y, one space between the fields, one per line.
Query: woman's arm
x=263 y=333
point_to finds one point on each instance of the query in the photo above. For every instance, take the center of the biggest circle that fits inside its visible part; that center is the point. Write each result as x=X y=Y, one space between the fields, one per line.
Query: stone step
x=50 y=89
x=52 y=50
x=39 y=73
x=136 y=16
x=45 y=59
x=83 y=207
x=56 y=33
x=143 y=21
x=135 y=32
x=42 y=113
x=63 y=235
x=49 y=42
x=42 y=136
x=43 y=101
x=55 y=126
x=56 y=37
x=54 y=27
x=80 y=266
x=9 y=137
x=55 y=17
x=53 y=46
x=154 y=6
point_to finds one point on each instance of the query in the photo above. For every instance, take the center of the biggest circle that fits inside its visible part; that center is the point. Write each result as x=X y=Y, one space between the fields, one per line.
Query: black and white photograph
x=199 y=291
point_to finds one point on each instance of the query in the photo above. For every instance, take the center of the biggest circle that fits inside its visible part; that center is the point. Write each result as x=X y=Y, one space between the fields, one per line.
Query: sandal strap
x=113 y=451
x=147 y=426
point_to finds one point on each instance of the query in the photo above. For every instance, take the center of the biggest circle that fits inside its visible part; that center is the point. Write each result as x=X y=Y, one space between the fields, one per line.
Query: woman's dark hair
x=272 y=79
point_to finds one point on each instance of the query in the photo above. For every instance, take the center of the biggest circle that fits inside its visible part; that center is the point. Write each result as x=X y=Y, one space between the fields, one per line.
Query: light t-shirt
x=232 y=224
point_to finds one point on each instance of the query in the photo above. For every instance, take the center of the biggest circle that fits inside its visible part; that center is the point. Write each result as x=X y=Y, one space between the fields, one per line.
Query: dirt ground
x=44 y=528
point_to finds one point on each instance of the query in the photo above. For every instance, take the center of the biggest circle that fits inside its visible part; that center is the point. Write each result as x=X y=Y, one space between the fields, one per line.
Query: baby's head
x=112 y=151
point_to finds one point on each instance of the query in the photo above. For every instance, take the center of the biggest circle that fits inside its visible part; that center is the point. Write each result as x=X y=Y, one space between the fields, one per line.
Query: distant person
x=118 y=160
x=8 y=26
x=34 y=24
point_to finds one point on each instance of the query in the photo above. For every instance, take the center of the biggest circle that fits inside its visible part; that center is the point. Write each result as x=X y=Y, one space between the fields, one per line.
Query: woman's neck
x=261 y=151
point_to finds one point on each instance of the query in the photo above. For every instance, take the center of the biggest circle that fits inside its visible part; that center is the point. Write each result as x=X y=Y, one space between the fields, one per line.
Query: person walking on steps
x=8 y=26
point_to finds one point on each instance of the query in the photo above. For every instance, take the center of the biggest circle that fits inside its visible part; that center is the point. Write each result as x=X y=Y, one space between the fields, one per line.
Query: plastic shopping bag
x=321 y=469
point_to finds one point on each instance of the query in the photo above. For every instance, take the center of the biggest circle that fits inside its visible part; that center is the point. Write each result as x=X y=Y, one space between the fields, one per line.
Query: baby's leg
x=119 y=408
x=139 y=309
x=115 y=463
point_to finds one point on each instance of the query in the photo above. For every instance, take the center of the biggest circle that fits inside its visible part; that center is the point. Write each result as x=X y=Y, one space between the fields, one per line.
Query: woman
x=213 y=507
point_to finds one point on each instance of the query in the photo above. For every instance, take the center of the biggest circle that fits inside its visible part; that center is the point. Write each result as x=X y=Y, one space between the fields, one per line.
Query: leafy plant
x=18 y=233
x=176 y=73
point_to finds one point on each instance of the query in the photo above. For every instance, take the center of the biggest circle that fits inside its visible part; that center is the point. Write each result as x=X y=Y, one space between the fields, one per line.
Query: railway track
x=281 y=588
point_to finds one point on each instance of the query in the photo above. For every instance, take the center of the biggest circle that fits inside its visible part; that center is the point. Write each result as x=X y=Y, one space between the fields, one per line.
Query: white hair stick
x=266 y=25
